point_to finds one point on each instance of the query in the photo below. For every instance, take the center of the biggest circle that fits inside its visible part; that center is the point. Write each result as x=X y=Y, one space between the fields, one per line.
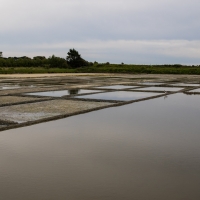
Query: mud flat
x=8 y=100
x=45 y=109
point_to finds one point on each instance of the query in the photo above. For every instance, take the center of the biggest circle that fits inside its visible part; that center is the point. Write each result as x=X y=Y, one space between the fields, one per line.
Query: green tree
x=1 y=54
x=74 y=59
x=57 y=62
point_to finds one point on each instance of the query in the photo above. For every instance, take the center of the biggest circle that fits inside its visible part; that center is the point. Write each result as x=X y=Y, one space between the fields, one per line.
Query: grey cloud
x=31 y=22
x=129 y=51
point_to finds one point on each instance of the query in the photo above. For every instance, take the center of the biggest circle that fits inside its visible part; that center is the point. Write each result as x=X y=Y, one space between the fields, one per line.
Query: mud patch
x=4 y=100
x=46 y=109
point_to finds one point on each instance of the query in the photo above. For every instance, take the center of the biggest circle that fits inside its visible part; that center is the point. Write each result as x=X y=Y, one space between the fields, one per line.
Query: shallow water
x=148 y=150
x=160 y=89
x=119 y=95
x=196 y=90
x=63 y=92
x=117 y=87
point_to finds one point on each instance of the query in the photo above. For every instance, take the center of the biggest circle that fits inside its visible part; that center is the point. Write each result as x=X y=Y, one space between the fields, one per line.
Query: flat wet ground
x=185 y=84
x=120 y=87
x=48 y=108
x=150 y=83
x=106 y=149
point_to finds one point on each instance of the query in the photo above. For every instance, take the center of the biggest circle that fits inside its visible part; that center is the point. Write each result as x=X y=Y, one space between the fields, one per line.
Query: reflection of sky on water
x=196 y=90
x=160 y=89
x=61 y=93
x=119 y=95
x=110 y=153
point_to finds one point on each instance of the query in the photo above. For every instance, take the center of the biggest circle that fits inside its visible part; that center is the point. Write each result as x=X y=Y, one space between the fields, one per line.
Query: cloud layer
x=156 y=31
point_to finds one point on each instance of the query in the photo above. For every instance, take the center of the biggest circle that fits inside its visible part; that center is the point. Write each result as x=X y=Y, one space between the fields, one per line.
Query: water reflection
x=166 y=96
x=119 y=95
x=61 y=93
x=160 y=89
x=73 y=91
x=147 y=150
x=196 y=90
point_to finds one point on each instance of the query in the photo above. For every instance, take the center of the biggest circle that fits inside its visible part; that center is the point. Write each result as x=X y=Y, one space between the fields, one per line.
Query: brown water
x=148 y=150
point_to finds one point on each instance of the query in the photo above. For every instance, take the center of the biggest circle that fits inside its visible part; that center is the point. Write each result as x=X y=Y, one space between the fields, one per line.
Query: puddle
x=162 y=89
x=147 y=150
x=119 y=95
x=185 y=84
x=117 y=87
x=196 y=90
x=62 y=92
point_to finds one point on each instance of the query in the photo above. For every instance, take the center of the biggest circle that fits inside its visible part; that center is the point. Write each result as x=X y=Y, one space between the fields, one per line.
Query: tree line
x=73 y=60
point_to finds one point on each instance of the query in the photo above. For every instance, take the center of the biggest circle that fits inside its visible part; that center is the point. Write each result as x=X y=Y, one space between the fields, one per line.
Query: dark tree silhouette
x=74 y=59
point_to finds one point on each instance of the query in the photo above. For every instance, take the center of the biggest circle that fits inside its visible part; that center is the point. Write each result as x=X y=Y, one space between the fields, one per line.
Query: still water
x=61 y=93
x=148 y=150
x=161 y=89
x=119 y=95
x=196 y=90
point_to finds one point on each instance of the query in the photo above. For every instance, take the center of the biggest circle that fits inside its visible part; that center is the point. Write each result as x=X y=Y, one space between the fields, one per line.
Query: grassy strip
x=32 y=70
x=108 y=68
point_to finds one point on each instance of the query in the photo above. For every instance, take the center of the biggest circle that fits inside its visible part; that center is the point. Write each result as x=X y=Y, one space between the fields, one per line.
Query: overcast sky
x=129 y=31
